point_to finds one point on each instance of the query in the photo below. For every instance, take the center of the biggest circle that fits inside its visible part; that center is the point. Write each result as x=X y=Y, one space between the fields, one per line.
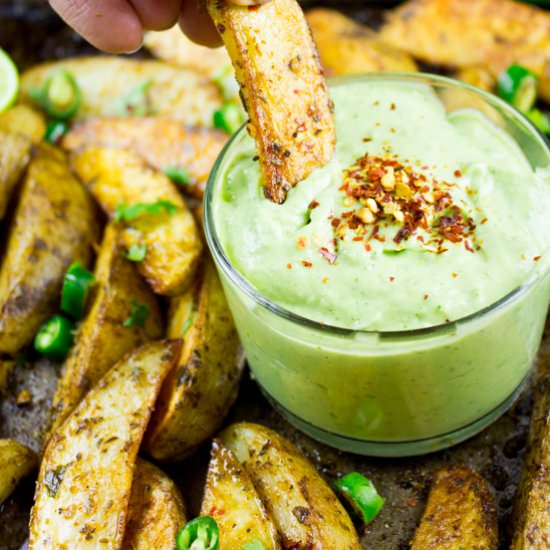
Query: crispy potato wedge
x=282 y=87
x=347 y=47
x=102 y=339
x=182 y=94
x=156 y=512
x=85 y=479
x=15 y=152
x=22 y=119
x=163 y=143
x=305 y=510
x=16 y=462
x=460 y=513
x=175 y=48
x=532 y=507
x=198 y=394
x=55 y=224
x=231 y=499
x=173 y=241
x=474 y=33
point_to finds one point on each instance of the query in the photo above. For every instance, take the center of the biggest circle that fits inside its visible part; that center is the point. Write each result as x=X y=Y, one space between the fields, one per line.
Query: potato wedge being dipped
x=86 y=474
x=162 y=143
x=231 y=499
x=156 y=511
x=16 y=462
x=305 y=510
x=102 y=338
x=162 y=225
x=282 y=88
x=197 y=395
x=55 y=224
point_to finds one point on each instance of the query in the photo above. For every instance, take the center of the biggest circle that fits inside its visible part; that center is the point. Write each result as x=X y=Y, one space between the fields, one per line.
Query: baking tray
x=32 y=33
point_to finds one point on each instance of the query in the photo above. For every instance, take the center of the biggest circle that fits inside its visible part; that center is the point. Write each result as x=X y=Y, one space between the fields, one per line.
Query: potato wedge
x=85 y=479
x=347 y=47
x=156 y=512
x=15 y=152
x=305 y=510
x=175 y=48
x=22 y=119
x=55 y=224
x=198 y=394
x=172 y=239
x=532 y=507
x=460 y=513
x=181 y=94
x=282 y=87
x=478 y=77
x=474 y=33
x=162 y=143
x=102 y=339
x=231 y=499
x=16 y=462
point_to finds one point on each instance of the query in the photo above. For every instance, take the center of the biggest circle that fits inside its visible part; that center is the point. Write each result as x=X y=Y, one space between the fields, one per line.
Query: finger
x=197 y=24
x=157 y=15
x=110 y=25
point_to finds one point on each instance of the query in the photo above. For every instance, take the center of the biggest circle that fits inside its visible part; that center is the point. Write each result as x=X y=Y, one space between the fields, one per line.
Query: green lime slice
x=9 y=81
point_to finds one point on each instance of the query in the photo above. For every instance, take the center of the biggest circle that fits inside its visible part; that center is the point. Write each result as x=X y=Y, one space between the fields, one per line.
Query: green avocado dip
x=422 y=218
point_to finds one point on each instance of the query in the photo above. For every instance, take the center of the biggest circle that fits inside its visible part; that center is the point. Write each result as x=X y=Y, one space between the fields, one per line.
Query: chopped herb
x=229 y=118
x=127 y=212
x=53 y=479
x=135 y=102
x=178 y=175
x=137 y=252
x=392 y=252
x=138 y=316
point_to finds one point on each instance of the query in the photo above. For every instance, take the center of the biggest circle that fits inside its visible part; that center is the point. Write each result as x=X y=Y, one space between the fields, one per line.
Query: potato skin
x=156 y=511
x=460 y=514
x=197 y=395
x=55 y=224
x=102 y=339
x=16 y=462
x=22 y=119
x=173 y=241
x=161 y=142
x=305 y=510
x=15 y=152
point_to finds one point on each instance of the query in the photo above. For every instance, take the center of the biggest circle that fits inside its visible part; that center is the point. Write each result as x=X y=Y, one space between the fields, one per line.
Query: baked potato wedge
x=460 y=513
x=85 y=479
x=16 y=462
x=282 y=88
x=306 y=512
x=231 y=499
x=199 y=392
x=54 y=225
x=102 y=338
x=156 y=512
x=15 y=151
x=347 y=47
x=170 y=236
x=107 y=81
x=491 y=34
x=22 y=119
x=162 y=143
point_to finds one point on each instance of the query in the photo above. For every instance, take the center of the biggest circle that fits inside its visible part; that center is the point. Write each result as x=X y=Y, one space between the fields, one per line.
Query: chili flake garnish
x=387 y=192
x=328 y=255
x=305 y=263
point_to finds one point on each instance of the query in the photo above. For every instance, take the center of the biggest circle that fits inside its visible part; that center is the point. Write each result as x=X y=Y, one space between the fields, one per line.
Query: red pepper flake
x=392 y=106
x=335 y=222
x=392 y=279
x=537 y=258
x=301 y=242
x=328 y=255
x=426 y=296
x=368 y=247
x=305 y=263
x=313 y=204
x=289 y=266
x=412 y=502
x=458 y=174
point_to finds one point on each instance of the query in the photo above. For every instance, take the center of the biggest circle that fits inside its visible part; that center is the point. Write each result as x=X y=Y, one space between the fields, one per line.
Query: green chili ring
x=55 y=338
x=361 y=494
x=518 y=86
x=74 y=294
x=201 y=533
x=60 y=97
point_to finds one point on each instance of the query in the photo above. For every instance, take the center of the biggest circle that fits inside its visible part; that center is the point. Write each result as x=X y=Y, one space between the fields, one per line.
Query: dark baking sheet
x=31 y=33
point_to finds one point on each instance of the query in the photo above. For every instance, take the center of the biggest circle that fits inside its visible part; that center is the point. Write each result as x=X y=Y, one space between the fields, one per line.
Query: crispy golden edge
x=156 y=511
x=460 y=513
x=198 y=394
x=102 y=339
x=85 y=479
x=282 y=88
x=16 y=462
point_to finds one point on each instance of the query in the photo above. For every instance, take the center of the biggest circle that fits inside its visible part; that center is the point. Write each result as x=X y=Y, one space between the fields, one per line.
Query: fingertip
x=197 y=24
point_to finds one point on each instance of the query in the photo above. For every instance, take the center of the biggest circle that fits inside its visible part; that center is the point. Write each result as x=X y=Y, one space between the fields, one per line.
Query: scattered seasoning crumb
x=305 y=263
x=325 y=280
x=392 y=106
x=458 y=174
x=24 y=397
x=523 y=257
x=426 y=296
x=392 y=279
x=455 y=275
x=367 y=139
x=255 y=158
x=301 y=243
x=328 y=255
x=313 y=204
x=393 y=130
x=412 y=502
x=289 y=266
x=537 y=258
x=377 y=124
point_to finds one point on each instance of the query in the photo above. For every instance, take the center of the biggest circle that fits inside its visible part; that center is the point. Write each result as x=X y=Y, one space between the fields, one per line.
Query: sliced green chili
x=229 y=118
x=55 y=338
x=76 y=285
x=137 y=252
x=518 y=86
x=60 y=96
x=55 y=130
x=127 y=212
x=136 y=101
x=540 y=120
x=139 y=314
x=199 y=534
x=178 y=175
x=361 y=494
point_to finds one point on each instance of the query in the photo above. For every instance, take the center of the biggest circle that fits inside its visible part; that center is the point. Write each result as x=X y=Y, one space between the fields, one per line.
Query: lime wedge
x=9 y=81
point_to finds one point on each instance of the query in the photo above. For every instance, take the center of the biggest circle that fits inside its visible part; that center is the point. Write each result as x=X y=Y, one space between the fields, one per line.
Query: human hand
x=118 y=25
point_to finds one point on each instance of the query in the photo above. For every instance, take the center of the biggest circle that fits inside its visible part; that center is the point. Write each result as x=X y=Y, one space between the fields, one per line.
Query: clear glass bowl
x=393 y=393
